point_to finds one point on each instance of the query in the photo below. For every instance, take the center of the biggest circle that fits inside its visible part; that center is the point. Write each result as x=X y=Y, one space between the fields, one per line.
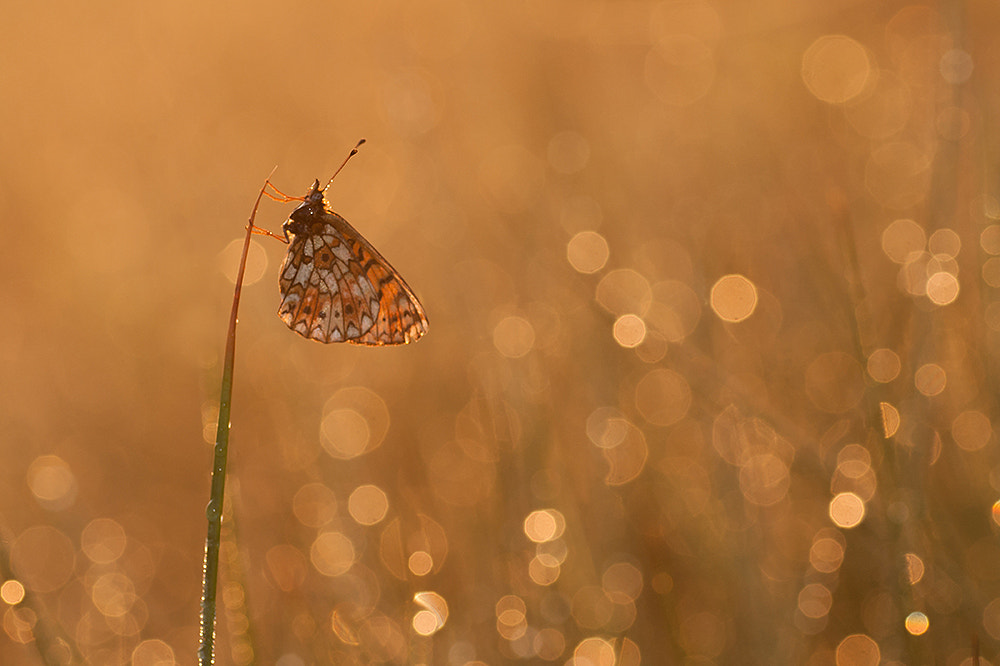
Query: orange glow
x=12 y=592
x=626 y=460
x=675 y=311
x=734 y=298
x=662 y=583
x=989 y=239
x=544 y=525
x=342 y=628
x=544 y=570
x=629 y=331
x=827 y=551
x=991 y=272
x=514 y=337
x=368 y=504
x=113 y=594
x=858 y=650
x=44 y=558
x=314 y=505
x=854 y=461
x=552 y=553
x=153 y=652
x=902 y=240
x=972 y=430
x=607 y=428
x=511 y=603
x=346 y=433
x=549 y=644
x=991 y=618
x=103 y=541
x=19 y=623
x=712 y=363
x=815 y=600
x=597 y=651
x=956 y=66
x=52 y=482
x=624 y=291
x=355 y=422
x=942 y=288
x=847 y=510
x=511 y=623
x=890 y=419
x=587 y=251
x=930 y=379
x=764 y=479
x=663 y=397
x=420 y=563
x=945 y=242
x=385 y=637
x=287 y=565
x=914 y=568
x=433 y=617
x=835 y=69
x=917 y=624
x=332 y=554
x=229 y=261
x=883 y=365
x=419 y=550
x=622 y=580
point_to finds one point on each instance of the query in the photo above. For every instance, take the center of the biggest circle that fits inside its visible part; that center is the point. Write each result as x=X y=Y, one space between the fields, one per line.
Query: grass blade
x=210 y=580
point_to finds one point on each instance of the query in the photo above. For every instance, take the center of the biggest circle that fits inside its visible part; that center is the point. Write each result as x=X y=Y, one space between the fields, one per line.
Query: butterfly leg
x=260 y=231
x=278 y=194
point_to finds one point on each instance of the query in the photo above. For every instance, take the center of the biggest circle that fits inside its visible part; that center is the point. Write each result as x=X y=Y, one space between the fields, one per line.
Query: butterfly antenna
x=354 y=151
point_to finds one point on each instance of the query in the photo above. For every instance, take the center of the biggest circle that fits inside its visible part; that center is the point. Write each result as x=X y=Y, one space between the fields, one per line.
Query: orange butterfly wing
x=336 y=287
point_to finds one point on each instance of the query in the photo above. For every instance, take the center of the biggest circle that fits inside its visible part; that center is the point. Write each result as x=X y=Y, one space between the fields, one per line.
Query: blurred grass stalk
x=210 y=579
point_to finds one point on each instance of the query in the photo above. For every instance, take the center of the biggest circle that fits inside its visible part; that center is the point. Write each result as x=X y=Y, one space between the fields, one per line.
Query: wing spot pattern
x=336 y=287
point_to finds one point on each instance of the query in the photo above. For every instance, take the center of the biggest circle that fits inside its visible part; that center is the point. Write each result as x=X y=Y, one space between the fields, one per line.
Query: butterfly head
x=313 y=202
x=313 y=206
x=315 y=195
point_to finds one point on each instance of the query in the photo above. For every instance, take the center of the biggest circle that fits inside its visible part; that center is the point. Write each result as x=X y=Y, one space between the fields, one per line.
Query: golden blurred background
x=709 y=379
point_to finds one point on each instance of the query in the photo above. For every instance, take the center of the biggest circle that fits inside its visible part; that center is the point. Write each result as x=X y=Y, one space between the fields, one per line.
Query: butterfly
x=335 y=286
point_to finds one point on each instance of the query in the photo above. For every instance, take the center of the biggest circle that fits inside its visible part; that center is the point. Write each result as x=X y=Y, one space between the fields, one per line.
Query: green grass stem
x=206 y=650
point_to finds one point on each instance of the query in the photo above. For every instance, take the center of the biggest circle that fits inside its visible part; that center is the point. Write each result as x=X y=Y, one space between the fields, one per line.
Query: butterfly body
x=336 y=287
